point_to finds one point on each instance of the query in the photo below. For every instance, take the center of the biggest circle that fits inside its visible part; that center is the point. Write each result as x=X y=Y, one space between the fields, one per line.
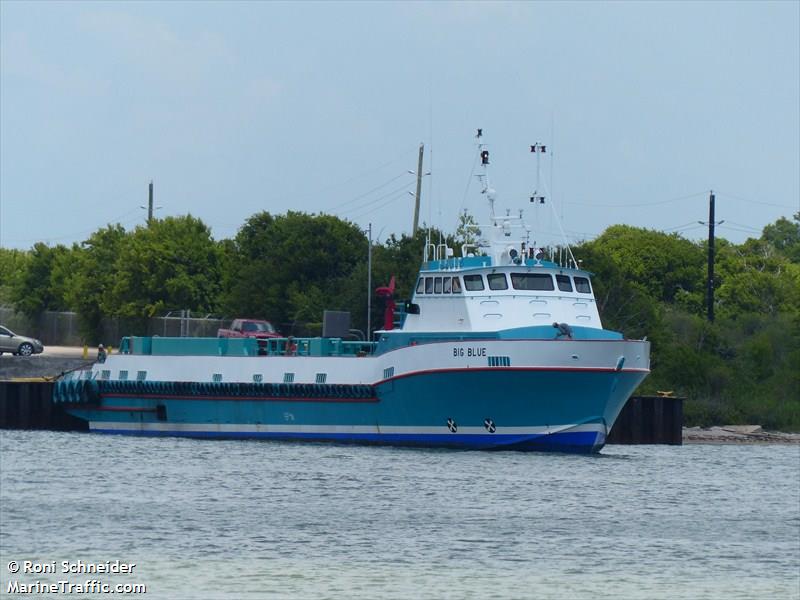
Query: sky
x=236 y=108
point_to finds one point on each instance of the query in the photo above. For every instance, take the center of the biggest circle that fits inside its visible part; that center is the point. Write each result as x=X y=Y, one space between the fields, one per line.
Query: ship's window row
x=288 y=378
x=216 y=377
x=321 y=377
x=540 y=282
x=141 y=375
x=439 y=285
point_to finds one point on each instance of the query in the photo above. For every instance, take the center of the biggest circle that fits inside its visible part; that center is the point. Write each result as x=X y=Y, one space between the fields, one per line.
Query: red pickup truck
x=249 y=328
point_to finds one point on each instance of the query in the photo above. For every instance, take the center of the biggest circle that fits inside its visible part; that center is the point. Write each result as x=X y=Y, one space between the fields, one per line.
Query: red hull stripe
x=123 y=408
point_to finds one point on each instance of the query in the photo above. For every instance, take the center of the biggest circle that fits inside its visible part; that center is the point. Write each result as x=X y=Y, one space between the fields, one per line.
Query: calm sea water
x=218 y=519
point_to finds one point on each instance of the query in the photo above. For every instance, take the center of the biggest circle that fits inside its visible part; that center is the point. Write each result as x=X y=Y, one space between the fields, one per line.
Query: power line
x=689 y=228
x=75 y=234
x=374 y=200
x=368 y=192
x=747 y=231
x=638 y=204
x=757 y=201
x=354 y=177
x=743 y=225
x=373 y=209
x=677 y=227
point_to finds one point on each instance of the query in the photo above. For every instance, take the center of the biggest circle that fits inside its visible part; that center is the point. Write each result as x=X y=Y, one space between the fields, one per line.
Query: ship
x=500 y=348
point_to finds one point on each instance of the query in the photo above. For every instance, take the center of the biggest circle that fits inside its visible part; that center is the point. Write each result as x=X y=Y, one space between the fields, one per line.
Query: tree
x=276 y=258
x=784 y=235
x=667 y=266
x=13 y=265
x=33 y=291
x=625 y=304
x=94 y=277
x=468 y=230
x=173 y=263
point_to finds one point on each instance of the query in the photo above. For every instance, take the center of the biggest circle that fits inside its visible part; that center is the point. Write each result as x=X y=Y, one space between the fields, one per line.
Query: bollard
x=86 y=352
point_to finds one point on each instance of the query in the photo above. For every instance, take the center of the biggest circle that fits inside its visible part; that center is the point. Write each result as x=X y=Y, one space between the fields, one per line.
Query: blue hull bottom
x=583 y=442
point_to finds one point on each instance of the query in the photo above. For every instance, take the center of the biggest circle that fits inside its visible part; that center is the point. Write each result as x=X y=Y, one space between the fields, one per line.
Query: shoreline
x=737 y=434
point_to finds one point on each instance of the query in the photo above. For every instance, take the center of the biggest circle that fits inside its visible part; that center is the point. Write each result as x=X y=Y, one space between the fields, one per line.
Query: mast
x=369 y=283
x=538 y=149
x=491 y=195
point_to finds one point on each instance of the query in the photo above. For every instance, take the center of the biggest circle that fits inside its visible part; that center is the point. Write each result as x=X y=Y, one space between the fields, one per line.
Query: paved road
x=66 y=352
x=69 y=351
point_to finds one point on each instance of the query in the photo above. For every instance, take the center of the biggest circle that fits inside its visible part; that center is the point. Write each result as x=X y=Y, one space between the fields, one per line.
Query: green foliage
x=784 y=236
x=467 y=231
x=171 y=264
x=40 y=286
x=624 y=302
x=664 y=265
x=93 y=279
x=277 y=259
x=744 y=367
x=756 y=277
x=13 y=266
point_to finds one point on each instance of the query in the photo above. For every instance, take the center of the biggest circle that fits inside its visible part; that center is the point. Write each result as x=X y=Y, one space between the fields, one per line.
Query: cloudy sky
x=234 y=108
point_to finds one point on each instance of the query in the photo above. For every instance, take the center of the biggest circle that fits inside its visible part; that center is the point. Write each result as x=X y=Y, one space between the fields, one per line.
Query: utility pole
x=150 y=205
x=419 y=191
x=710 y=281
x=369 y=283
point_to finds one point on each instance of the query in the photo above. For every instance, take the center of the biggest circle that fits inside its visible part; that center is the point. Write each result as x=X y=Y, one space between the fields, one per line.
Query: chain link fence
x=62 y=328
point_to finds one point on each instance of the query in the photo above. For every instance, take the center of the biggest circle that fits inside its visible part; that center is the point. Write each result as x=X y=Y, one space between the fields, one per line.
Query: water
x=218 y=519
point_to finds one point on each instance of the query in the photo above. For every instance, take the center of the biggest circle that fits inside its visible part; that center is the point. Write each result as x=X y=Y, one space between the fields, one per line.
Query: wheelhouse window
x=582 y=285
x=564 y=284
x=437 y=285
x=497 y=281
x=473 y=283
x=429 y=285
x=532 y=281
x=446 y=285
x=421 y=285
x=456 y=285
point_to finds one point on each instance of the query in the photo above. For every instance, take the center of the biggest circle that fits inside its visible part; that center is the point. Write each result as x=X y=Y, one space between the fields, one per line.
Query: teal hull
x=524 y=409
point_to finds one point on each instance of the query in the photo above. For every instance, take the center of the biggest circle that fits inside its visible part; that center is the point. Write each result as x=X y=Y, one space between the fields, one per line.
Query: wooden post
x=419 y=191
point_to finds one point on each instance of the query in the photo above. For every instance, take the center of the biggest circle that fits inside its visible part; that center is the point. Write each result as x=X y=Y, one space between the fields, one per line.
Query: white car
x=18 y=344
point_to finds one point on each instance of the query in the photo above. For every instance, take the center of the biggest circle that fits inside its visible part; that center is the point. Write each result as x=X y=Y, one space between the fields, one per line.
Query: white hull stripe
x=337 y=429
